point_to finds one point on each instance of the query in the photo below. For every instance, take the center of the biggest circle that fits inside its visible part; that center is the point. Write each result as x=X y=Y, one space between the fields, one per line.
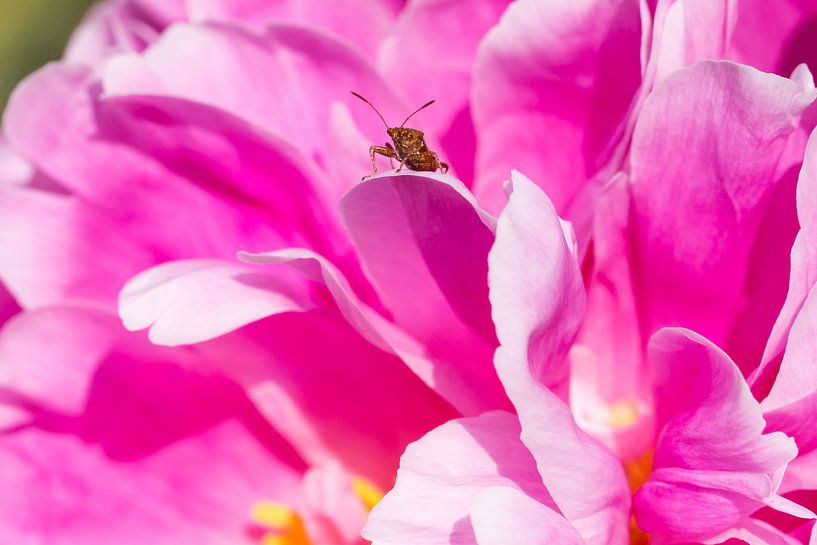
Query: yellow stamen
x=368 y=493
x=623 y=413
x=286 y=527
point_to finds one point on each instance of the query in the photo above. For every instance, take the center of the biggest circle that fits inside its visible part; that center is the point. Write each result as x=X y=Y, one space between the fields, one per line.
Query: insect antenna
x=372 y=106
x=424 y=106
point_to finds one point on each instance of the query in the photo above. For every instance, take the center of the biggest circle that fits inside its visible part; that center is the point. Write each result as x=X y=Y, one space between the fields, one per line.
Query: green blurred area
x=33 y=32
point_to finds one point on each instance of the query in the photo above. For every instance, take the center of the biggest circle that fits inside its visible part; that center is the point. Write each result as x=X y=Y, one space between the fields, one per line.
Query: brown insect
x=409 y=146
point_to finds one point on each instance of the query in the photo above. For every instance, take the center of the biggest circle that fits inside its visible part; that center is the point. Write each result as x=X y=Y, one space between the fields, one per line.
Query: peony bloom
x=623 y=348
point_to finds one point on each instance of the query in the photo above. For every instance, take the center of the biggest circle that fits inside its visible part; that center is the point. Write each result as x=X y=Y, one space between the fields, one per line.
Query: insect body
x=409 y=146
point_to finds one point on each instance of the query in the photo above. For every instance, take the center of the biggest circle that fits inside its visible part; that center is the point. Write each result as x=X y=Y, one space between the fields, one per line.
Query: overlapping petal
x=126 y=443
x=537 y=299
x=435 y=287
x=442 y=474
x=733 y=124
x=713 y=464
x=552 y=84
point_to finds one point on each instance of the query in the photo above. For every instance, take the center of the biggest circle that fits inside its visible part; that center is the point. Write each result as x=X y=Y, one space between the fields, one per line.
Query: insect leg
x=442 y=166
x=391 y=162
x=378 y=150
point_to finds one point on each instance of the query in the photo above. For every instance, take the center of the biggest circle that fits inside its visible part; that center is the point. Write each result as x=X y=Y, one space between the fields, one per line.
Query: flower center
x=638 y=471
x=283 y=526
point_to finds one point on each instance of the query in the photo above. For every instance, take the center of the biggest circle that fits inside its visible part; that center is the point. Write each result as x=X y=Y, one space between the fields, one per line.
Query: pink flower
x=555 y=367
x=135 y=162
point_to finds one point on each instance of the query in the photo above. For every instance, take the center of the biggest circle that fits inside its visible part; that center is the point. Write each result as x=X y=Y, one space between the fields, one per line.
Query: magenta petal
x=332 y=394
x=436 y=286
x=252 y=76
x=733 y=123
x=65 y=491
x=687 y=505
x=552 y=84
x=537 y=296
x=55 y=247
x=362 y=22
x=779 y=43
x=441 y=475
x=608 y=367
x=46 y=361
x=502 y=513
x=423 y=29
x=756 y=532
x=8 y=305
x=446 y=379
x=126 y=443
x=712 y=457
x=147 y=161
x=707 y=417
x=319 y=395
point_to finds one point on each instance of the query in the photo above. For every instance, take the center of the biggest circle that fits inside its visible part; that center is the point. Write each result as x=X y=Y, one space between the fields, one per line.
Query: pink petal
x=56 y=247
x=253 y=76
x=435 y=286
x=332 y=513
x=713 y=464
x=536 y=289
x=608 y=367
x=695 y=275
x=62 y=490
x=13 y=168
x=791 y=405
x=319 y=395
x=121 y=25
x=502 y=513
x=537 y=297
x=127 y=443
x=260 y=175
x=363 y=23
x=332 y=394
x=46 y=361
x=688 y=31
x=756 y=532
x=190 y=301
x=552 y=83
x=441 y=475
x=448 y=380
x=803 y=271
x=133 y=158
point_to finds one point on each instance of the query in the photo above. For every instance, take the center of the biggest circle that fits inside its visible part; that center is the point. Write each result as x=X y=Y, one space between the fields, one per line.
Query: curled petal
x=537 y=298
x=443 y=473
x=712 y=458
x=435 y=287
x=185 y=302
